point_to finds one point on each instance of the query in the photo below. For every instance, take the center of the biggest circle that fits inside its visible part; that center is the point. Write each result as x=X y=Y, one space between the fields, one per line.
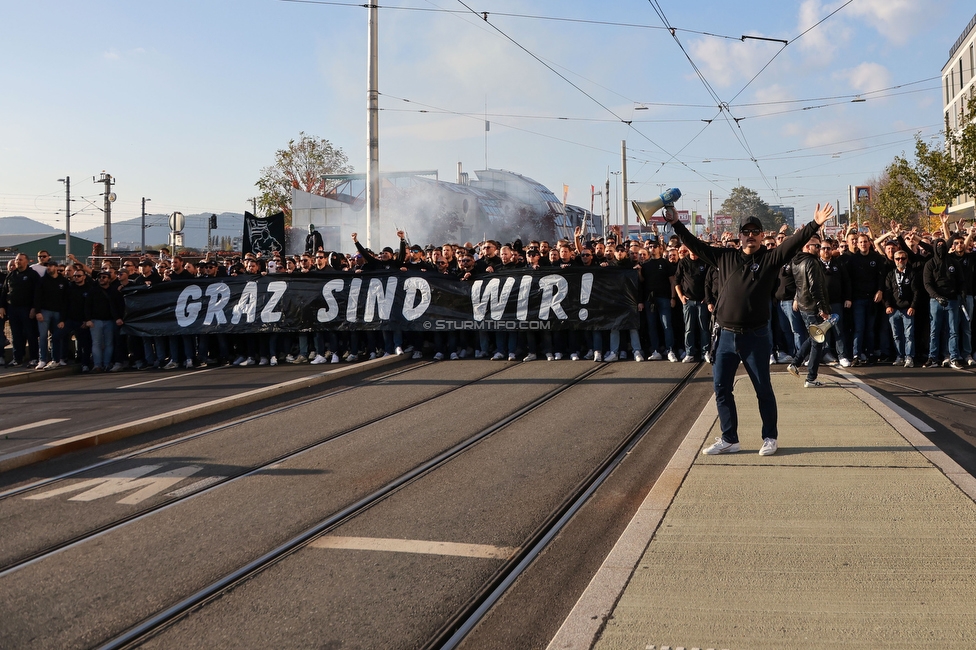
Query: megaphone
x=819 y=332
x=646 y=209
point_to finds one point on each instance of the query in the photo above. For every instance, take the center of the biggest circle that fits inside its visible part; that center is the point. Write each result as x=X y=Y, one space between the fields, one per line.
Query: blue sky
x=184 y=102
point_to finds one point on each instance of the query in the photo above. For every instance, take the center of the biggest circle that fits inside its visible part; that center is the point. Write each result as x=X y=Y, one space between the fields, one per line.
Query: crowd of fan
x=900 y=297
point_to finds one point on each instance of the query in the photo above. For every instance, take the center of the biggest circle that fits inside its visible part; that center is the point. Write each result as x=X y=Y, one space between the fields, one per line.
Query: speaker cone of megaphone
x=819 y=332
x=646 y=209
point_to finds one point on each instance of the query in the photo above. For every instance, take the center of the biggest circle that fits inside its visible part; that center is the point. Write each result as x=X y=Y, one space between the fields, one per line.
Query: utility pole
x=372 y=135
x=623 y=182
x=143 y=224
x=254 y=205
x=67 y=215
x=107 y=197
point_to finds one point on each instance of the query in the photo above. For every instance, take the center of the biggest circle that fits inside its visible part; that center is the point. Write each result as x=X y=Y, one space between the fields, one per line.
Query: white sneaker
x=263 y=361
x=463 y=353
x=689 y=358
x=769 y=447
x=672 y=357
x=550 y=357
x=335 y=358
x=772 y=359
x=498 y=357
x=318 y=360
x=478 y=354
x=53 y=364
x=813 y=384
x=655 y=356
x=248 y=362
x=559 y=356
x=41 y=365
x=188 y=365
x=399 y=350
x=721 y=447
x=172 y=365
x=597 y=356
x=274 y=361
x=511 y=356
x=238 y=361
x=531 y=356
x=970 y=362
x=589 y=356
x=372 y=356
x=782 y=357
x=417 y=354
x=62 y=363
x=793 y=370
x=610 y=358
x=438 y=357
x=409 y=348
x=574 y=357
x=845 y=362
x=290 y=358
x=351 y=357
x=638 y=357
x=301 y=358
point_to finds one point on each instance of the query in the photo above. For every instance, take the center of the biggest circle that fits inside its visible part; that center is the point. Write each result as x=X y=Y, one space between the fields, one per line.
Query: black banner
x=264 y=235
x=572 y=298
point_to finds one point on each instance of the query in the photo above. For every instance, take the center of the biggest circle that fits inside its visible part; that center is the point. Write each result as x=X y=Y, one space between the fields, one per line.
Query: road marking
x=416 y=546
x=125 y=481
x=33 y=425
x=176 y=376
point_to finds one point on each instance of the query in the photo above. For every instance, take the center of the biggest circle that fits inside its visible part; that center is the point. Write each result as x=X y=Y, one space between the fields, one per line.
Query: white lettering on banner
x=522 y=305
x=186 y=312
x=124 y=481
x=554 y=290
x=219 y=295
x=376 y=298
x=490 y=297
x=417 y=298
x=352 y=305
x=331 y=311
x=247 y=305
x=268 y=314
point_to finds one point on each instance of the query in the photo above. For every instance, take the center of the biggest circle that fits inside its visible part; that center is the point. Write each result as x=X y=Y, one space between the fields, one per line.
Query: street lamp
x=67 y=215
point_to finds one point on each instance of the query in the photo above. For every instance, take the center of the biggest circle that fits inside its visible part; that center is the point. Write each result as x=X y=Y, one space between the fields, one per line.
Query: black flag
x=264 y=235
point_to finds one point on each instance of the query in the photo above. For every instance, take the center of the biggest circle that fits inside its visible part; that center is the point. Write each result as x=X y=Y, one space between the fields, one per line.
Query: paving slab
x=852 y=536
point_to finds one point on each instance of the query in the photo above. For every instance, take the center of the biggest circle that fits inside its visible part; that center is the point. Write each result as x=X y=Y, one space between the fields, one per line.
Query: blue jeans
x=836 y=333
x=697 y=321
x=792 y=326
x=938 y=317
x=103 y=343
x=966 y=327
x=49 y=324
x=753 y=349
x=903 y=332
x=811 y=347
x=659 y=310
x=863 y=309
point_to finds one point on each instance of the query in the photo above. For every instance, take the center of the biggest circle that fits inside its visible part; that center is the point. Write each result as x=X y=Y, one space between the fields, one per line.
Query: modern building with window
x=959 y=88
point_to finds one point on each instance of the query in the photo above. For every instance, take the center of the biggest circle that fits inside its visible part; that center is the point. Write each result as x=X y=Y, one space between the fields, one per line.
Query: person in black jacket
x=839 y=295
x=746 y=275
x=104 y=308
x=942 y=282
x=75 y=297
x=902 y=294
x=810 y=302
x=17 y=305
x=865 y=270
x=49 y=310
x=689 y=284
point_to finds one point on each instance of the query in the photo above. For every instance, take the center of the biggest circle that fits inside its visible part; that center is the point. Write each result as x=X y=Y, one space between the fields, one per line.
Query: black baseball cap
x=750 y=221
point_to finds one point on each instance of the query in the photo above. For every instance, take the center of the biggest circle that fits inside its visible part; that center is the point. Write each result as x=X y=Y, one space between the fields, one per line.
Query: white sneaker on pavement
x=598 y=357
x=550 y=357
x=610 y=358
x=845 y=362
x=531 y=356
x=274 y=361
x=319 y=359
x=41 y=365
x=439 y=356
x=335 y=358
x=454 y=356
x=574 y=357
x=769 y=447
x=655 y=356
x=511 y=356
x=417 y=354
x=721 y=447
x=638 y=357
x=672 y=357
x=263 y=361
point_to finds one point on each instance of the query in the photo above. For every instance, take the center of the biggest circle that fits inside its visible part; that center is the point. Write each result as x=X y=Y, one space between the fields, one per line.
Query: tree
x=897 y=196
x=300 y=165
x=743 y=202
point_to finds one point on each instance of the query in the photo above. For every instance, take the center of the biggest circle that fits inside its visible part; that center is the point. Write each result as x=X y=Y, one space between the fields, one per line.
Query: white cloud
x=726 y=63
x=111 y=55
x=865 y=77
x=896 y=20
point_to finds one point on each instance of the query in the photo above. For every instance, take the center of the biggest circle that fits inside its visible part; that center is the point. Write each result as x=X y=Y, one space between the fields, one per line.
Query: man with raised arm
x=746 y=275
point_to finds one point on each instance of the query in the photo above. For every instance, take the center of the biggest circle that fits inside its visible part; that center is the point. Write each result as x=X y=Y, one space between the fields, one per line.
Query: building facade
x=959 y=88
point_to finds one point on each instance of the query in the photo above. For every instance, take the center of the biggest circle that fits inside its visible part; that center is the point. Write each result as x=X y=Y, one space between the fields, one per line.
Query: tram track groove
x=163 y=619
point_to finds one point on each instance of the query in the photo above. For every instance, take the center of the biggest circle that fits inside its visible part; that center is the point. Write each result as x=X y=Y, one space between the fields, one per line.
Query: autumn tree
x=743 y=202
x=300 y=165
x=898 y=196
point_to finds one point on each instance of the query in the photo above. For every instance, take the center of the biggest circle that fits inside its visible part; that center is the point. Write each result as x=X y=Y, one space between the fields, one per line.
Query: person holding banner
x=746 y=275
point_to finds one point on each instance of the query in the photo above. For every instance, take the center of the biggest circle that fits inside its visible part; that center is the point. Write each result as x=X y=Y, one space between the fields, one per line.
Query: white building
x=959 y=87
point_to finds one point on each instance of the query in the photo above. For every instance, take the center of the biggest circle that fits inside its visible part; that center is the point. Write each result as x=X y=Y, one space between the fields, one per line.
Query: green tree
x=897 y=196
x=299 y=165
x=743 y=202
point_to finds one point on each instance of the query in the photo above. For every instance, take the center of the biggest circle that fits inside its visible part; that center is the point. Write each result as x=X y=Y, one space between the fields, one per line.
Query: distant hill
x=229 y=224
x=25 y=226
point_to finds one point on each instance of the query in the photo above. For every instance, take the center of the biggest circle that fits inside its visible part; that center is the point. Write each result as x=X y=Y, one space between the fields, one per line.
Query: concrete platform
x=858 y=533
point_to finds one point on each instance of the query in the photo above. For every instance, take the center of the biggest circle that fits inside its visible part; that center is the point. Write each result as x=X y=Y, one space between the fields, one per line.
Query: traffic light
x=213 y=222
